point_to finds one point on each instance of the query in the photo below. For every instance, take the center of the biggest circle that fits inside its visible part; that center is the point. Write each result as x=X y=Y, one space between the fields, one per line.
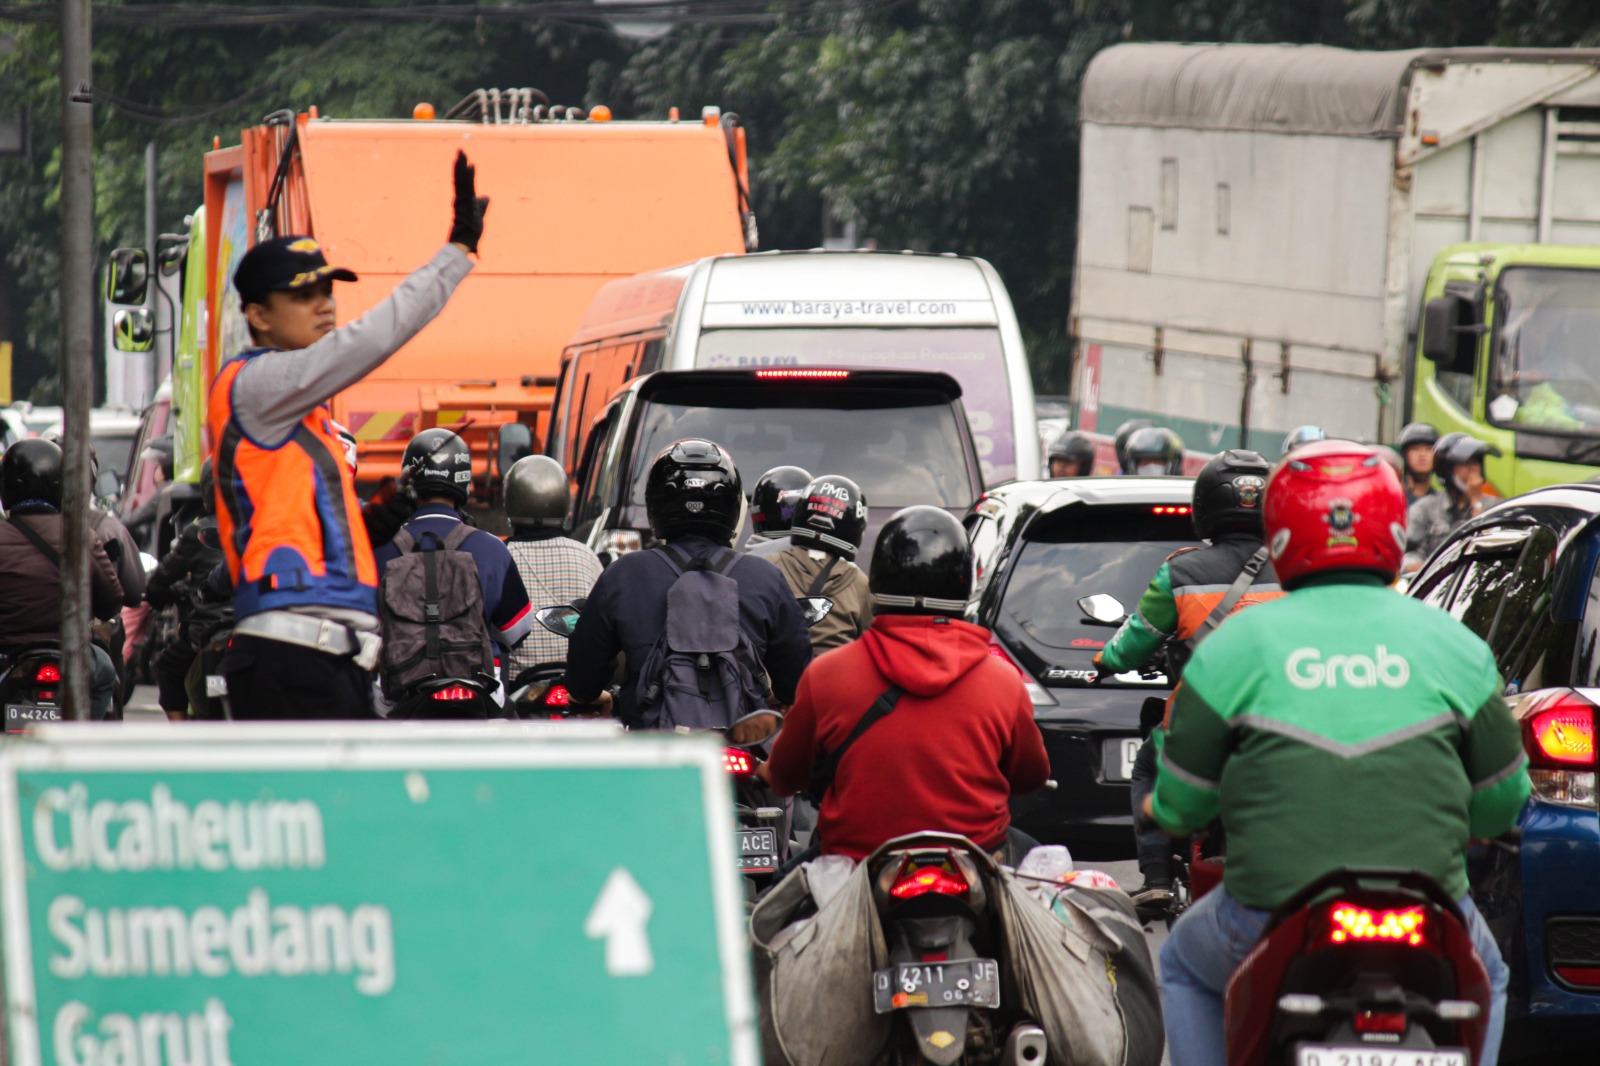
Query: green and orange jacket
x=1182 y=594
x=1341 y=725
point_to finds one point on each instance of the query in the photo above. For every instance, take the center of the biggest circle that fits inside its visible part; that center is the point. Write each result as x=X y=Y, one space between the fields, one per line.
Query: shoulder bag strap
x=822 y=578
x=1236 y=591
x=827 y=765
x=678 y=562
x=457 y=536
x=38 y=541
x=403 y=541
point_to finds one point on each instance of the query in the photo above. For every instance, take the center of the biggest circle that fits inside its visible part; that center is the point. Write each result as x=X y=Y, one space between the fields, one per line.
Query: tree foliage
x=947 y=125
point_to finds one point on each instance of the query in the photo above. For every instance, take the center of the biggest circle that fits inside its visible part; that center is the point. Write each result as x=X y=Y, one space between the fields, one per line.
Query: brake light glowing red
x=1370 y=1021
x=929 y=879
x=1563 y=732
x=1348 y=922
x=557 y=696
x=47 y=674
x=738 y=762
x=802 y=375
x=453 y=692
x=1176 y=509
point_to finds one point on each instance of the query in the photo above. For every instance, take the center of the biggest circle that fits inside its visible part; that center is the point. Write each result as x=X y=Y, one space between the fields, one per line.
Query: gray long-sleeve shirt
x=273 y=393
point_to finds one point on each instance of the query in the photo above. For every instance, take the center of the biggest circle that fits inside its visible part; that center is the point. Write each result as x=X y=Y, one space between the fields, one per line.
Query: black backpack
x=431 y=607
x=702 y=671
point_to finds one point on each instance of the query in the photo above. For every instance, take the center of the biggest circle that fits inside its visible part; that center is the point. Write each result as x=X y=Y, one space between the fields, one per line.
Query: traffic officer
x=305 y=583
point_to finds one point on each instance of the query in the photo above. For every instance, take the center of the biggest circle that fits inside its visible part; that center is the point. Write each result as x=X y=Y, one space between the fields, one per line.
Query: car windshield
x=972 y=356
x=1092 y=554
x=899 y=455
x=1547 y=366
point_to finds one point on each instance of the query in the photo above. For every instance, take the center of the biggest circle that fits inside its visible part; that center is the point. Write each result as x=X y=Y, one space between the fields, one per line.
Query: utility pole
x=152 y=298
x=77 y=348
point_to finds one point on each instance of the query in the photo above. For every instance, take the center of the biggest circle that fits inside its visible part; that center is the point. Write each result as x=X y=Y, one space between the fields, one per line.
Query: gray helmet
x=537 y=493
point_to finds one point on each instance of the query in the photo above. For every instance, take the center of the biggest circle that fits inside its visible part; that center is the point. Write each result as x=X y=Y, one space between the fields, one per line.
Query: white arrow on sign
x=619 y=916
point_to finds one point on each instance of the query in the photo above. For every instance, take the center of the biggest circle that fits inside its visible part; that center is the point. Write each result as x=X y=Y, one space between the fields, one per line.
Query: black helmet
x=1153 y=446
x=30 y=473
x=1228 y=493
x=922 y=564
x=1120 y=441
x=1074 y=447
x=1442 y=465
x=1465 y=450
x=208 y=487
x=1416 y=433
x=437 y=463
x=537 y=493
x=693 y=487
x=831 y=515
x=1301 y=435
x=773 y=500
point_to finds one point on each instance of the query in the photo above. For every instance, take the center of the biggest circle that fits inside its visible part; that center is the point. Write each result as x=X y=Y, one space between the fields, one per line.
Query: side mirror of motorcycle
x=1102 y=609
x=815 y=608
x=513 y=441
x=562 y=620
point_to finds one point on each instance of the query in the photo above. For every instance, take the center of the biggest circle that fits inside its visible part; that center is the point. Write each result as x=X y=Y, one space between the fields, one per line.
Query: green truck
x=1275 y=235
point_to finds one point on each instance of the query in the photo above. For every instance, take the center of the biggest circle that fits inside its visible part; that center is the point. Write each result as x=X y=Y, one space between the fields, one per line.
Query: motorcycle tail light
x=556 y=696
x=1558 y=731
x=738 y=762
x=1586 y=976
x=47 y=674
x=1348 y=923
x=928 y=879
x=453 y=692
x=1177 y=509
x=1374 y=1021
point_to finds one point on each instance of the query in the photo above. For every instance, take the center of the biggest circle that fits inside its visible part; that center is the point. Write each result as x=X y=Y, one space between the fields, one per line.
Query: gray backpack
x=702 y=671
x=431 y=607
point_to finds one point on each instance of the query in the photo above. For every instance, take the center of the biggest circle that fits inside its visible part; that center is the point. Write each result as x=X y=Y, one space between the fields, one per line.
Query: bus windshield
x=1547 y=362
x=972 y=356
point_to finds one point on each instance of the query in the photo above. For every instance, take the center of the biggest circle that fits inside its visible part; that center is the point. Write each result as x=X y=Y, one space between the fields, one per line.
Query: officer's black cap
x=283 y=264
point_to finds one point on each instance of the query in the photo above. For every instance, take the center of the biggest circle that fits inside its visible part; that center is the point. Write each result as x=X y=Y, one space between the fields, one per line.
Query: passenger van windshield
x=898 y=455
x=1547 y=366
x=972 y=356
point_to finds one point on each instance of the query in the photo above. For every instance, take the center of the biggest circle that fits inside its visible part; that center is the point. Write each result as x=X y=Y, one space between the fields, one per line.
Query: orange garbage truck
x=577 y=200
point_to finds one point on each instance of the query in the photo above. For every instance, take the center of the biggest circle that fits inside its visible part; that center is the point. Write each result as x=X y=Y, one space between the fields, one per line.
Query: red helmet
x=1334 y=505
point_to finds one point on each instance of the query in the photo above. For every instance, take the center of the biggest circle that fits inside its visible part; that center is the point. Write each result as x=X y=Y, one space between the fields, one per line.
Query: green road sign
x=258 y=895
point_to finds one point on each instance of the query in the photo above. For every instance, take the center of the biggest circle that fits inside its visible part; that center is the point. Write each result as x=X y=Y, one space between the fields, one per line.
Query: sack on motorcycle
x=1080 y=967
x=817 y=946
x=431 y=607
x=702 y=671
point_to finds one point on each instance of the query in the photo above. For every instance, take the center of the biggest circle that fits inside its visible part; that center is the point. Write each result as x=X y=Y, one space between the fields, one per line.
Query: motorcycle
x=934 y=895
x=1362 y=967
x=30 y=686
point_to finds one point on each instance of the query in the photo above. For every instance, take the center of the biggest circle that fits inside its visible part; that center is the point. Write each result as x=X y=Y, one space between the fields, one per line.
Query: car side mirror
x=1444 y=319
x=133 y=329
x=562 y=620
x=1103 y=610
x=815 y=608
x=128 y=277
x=514 y=441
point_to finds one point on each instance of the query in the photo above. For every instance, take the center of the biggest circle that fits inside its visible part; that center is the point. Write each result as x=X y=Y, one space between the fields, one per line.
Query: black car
x=901 y=435
x=1040 y=547
x=1523 y=576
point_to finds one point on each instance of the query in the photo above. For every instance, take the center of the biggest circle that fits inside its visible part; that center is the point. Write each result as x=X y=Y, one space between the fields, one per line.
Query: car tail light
x=1348 y=923
x=1177 y=509
x=453 y=692
x=928 y=879
x=1386 y=1021
x=1036 y=691
x=47 y=674
x=802 y=375
x=1558 y=732
x=556 y=696
x=738 y=762
x=1000 y=653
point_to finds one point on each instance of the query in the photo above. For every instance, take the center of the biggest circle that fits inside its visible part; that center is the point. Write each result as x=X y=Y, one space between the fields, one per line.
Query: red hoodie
x=957 y=746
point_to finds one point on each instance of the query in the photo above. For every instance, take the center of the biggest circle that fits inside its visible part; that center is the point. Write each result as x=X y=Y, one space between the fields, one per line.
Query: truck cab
x=1506 y=354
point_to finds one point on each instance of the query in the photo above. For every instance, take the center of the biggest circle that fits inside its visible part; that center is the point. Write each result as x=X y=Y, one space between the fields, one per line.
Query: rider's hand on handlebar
x=1101 y=670
x=756 y=728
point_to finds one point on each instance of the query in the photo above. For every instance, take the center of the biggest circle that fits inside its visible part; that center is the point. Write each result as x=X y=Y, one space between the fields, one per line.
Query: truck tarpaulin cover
x=1282 y=88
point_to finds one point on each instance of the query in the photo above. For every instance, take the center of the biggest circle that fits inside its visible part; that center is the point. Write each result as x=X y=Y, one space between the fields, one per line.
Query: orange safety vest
x=287 y=512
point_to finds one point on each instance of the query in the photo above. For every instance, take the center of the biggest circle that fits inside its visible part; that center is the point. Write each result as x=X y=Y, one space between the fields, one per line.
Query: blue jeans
x=102 y=682
x=1212 y=938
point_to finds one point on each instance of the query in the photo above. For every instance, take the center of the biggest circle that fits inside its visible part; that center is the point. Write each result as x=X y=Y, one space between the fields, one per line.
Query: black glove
x=467 y=226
